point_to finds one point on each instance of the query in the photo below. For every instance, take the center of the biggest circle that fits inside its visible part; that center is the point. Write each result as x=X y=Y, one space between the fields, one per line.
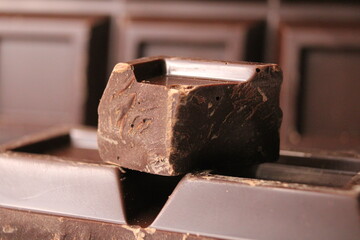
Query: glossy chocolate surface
x=76 y=197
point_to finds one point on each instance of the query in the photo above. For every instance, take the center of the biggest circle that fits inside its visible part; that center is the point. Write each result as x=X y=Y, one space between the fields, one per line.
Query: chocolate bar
x=170 y=116
x=47 y=179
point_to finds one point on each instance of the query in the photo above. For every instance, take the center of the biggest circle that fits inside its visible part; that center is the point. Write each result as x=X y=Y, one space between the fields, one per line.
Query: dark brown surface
x=243 y=208
x=319 y=96
x=77 y=68
x=23 y=225
x=144 y=195
x=62 y=141
x=10 y=132
x=175 y=126
x=77 y=147
x=230 y=40
x=330 y=78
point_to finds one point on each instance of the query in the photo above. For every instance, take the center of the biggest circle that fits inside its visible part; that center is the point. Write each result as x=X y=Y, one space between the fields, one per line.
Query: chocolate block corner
x=170 y=116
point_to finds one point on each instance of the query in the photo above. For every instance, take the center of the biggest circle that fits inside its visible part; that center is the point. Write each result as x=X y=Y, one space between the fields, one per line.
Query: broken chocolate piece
x=169 y=116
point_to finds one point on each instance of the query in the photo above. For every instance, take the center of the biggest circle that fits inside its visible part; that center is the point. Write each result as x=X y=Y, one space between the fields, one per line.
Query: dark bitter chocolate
x=170 y=116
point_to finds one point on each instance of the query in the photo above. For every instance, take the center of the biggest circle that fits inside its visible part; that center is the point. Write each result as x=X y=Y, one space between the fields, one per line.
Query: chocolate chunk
x=170 y=116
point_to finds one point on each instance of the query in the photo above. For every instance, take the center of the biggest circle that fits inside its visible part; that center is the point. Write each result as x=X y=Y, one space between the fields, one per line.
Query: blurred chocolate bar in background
x=53 y=68
x=85 y=39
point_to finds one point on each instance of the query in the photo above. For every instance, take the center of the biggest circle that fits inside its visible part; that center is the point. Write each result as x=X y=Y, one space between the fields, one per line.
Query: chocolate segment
x=170 y=116
x=242 y=208
x=44 y=183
